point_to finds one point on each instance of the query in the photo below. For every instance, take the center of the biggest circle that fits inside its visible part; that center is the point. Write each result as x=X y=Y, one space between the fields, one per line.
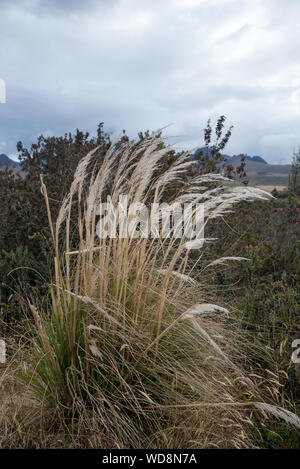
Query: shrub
x=131 y=343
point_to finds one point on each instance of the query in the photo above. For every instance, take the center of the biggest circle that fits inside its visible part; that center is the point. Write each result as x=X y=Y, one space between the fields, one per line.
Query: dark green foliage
x=25 y=245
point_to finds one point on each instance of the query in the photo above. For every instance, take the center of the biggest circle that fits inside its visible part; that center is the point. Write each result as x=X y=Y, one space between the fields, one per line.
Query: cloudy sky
x=138 y=64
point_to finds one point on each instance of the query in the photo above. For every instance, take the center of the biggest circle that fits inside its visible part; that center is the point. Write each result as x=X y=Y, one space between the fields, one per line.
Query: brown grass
x=270 y=188
x=131 y=351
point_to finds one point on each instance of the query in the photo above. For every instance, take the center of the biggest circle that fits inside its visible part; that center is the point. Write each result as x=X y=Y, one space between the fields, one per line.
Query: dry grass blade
x=130 y=337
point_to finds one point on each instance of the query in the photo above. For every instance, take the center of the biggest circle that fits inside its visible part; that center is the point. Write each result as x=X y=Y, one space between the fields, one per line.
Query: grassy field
x=156 y=342
x=270 y=188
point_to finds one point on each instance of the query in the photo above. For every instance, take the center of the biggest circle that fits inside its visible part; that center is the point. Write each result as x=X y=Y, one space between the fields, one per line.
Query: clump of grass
x=132 y=349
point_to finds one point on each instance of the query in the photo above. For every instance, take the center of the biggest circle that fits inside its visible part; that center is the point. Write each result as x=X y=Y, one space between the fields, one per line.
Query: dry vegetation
x=130 y=349
x=271 y=188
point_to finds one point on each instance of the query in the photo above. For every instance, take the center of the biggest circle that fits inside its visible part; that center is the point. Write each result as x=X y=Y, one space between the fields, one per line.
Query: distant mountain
x=258 y=171
x=256 y=158
x=6 y=161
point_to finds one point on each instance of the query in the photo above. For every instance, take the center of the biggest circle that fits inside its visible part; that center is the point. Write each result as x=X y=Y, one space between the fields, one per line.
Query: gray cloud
x=54 y=6
x=137 y=64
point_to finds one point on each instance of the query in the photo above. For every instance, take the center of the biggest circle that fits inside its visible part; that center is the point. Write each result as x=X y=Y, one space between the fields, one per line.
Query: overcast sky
x=138 y=64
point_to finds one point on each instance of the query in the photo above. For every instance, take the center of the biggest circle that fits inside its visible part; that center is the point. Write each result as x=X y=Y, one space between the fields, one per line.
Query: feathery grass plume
x=279 y=413
x=223 y=260
x=125 y=341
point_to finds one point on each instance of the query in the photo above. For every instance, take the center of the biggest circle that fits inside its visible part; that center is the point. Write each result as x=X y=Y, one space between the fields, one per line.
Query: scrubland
x=153 y=342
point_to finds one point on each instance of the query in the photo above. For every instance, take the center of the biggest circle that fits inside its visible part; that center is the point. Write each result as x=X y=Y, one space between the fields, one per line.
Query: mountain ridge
x=258 y=170
x=255 y=158
x=6 y=161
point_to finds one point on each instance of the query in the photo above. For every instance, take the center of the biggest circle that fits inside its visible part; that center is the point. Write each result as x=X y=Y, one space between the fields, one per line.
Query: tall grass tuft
x=132 y=351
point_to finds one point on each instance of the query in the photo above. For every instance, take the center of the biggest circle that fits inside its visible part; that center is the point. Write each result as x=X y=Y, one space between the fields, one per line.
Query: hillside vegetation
x=146 y=342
